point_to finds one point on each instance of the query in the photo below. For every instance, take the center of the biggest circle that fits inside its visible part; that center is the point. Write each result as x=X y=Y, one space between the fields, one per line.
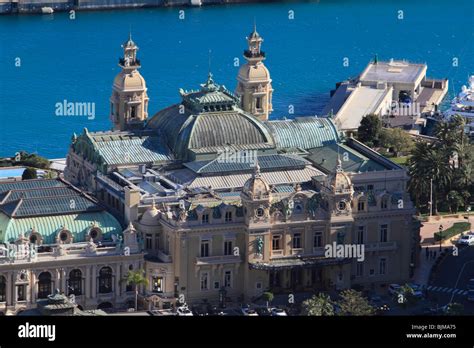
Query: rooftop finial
x=339 y=163
x=257 y=169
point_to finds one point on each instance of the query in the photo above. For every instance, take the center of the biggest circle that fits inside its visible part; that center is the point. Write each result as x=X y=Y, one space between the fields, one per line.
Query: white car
x=184 y=311
x=394 y=289
x=249 y=312
x=278 y=312
x=467 y=239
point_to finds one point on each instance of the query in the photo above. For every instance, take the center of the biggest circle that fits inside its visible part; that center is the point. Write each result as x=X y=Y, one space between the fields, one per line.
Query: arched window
x=105 y=280
x=75 y=282
x=44 y=285
x=3 y=289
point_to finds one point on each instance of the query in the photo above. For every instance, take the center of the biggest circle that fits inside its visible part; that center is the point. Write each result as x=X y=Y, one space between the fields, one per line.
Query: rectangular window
x=383 y=233
x=276 y=242
x=360 y=234
x=149 y=242
x=228 y=216
x=228 y=247
x=370 y=187
x=205 y=218
x=359 y=269
x=382 y=266
x=384 y=203
x=21 y=293
x=318 y=240
x=361 y=206
x=204 y=248
x=258 y=103
x=157 y=284
x=204 y=281
x=228 y=279
x=217 y=285
x=296 y=241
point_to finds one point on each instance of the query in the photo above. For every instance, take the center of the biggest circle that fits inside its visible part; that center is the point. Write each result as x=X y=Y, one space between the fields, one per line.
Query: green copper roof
x=303 y=132
x=49 y=226
x=48 y=206
x=115 y=148
x=42 y=197
x=226 y=164
x=352 y=161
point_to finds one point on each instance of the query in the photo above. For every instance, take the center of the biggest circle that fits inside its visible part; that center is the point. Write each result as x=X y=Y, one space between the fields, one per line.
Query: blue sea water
x=76 y=60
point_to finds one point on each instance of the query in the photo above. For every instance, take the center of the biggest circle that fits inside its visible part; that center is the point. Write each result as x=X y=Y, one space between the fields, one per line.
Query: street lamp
x=440 y=236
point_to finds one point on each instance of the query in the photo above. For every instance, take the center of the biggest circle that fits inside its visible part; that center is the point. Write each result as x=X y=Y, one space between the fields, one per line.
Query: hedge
x=457 y=228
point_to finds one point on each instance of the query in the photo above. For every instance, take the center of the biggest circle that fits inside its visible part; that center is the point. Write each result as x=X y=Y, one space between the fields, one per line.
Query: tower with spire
x=254 y=85
x=129 y=100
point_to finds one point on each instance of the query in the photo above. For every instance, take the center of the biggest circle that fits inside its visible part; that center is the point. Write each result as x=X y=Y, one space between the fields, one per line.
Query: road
x=451 y=280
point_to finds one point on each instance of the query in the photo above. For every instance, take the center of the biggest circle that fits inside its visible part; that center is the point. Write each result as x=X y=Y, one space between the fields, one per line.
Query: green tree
x=455 y=200
x=268 y=297
x=353 y=303
x=369 y=130
x=32 y=160
x=397 y=139
x=136 y=278
x=29 y=173
x=319 y=305
x=419 y=165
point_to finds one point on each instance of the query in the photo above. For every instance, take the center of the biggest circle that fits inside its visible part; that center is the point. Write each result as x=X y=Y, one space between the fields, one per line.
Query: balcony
x=158 y=256
x=217 y=260
x=278 y=253
x=297 y=251
x=381 y=246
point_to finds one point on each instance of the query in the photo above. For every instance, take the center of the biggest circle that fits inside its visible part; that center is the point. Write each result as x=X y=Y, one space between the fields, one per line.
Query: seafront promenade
x=35 y=6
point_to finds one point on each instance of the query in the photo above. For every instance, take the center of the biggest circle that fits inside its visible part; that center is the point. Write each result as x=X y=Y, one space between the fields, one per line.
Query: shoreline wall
x=34 y=6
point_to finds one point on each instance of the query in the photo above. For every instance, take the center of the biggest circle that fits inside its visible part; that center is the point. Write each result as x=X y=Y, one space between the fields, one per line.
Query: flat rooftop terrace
x=393 y=72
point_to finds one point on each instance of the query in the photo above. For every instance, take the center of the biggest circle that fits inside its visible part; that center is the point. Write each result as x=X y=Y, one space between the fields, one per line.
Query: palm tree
x=319 y=305
x=418 y=168
x=136 y=278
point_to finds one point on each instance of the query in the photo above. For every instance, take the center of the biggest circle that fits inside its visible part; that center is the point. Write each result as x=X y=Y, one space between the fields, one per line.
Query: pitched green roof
x=303 y=132
x=49 y=226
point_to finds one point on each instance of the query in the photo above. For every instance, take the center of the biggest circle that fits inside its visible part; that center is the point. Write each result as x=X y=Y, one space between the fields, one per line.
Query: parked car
x=467 y=239
x=184 y=311
x=278 y=312
x=264 y=311
x=249 y=312
x=394 y=289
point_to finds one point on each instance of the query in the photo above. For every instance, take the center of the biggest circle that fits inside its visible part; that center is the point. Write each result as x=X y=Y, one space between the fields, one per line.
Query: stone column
x=62 y=274
x=9 y=289
x=33 y=286
x=88 y=282
x=94 y=282
x=117 y=289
